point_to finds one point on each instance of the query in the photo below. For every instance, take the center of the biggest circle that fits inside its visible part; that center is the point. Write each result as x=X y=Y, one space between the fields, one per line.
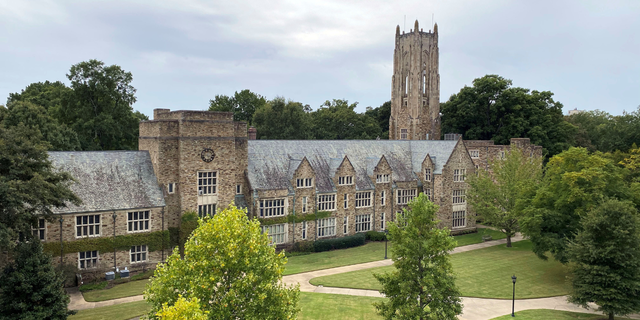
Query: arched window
x=424 y=81
x=406 y=85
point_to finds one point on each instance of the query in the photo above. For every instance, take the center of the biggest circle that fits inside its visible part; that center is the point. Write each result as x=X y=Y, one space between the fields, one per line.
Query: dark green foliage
x=355 y=240
x=100 y=107
x=598 y=130
x=243 y=104
x=422 y=286
x=381 y=115
x=494 y=110
x=28 y=183
x=303 y=246
x=93 y=286
x=285 y=120
x=49 y=95
x=375 y=236
x=575 y=182
x=59 y=136
x=338 y=120
x=31 y=288
x=606 y=256
x=153 y=240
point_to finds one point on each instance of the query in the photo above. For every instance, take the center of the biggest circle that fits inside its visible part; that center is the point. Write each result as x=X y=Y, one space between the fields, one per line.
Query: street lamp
x=513 y=301
x=386 y=239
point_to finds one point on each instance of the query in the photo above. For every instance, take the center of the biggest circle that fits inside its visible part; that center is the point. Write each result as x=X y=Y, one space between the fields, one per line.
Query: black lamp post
x=61 y=243
x=513 y=302
x=386 y=239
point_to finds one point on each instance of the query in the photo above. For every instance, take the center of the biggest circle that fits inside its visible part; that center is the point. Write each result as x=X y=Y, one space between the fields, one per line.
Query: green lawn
x=484 y=273
x=117 y=312
x=372 y=251
x=314 y=306
x=132 y=288
x=544 y=314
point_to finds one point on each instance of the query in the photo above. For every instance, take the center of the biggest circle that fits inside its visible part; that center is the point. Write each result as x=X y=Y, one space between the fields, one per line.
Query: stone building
x=415 y=86
x=203 y=161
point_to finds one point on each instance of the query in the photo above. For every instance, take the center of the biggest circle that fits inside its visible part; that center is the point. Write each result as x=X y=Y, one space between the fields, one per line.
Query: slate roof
x=109 y=180
x=273 y=162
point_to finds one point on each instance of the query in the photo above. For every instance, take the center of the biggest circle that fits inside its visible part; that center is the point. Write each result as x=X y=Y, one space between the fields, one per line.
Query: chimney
x=252 y=133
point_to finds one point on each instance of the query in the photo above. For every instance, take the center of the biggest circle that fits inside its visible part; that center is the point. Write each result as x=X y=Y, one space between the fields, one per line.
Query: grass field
x=372 y=251
x=484 y=273
x=543 y=314
x=128 y=289
x=117 y=312
x=314 y=306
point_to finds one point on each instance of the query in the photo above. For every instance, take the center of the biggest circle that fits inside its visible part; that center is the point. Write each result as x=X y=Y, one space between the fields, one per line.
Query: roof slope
x=272 y=162
x=109 y=180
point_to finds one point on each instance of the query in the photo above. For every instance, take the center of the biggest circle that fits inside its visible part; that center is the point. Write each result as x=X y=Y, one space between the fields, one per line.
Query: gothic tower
x=415 y=86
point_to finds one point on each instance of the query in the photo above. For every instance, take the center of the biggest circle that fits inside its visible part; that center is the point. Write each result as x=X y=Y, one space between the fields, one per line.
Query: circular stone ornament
x=207 y=155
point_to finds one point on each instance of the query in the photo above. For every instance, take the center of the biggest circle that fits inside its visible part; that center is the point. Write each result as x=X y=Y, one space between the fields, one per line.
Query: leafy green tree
x=381 y=115
x=423 y=284
x=280 y=119
x=498 y=194
x=59 y=136
x=575 y=182
x=492 y=109
x=182 y=309
x=100 y=107
x=338 y=120
x=606 y=256
x=29 y=186
x=598 y=130
x=243 y=104
x=239 y=279
x=49 y=95
x=31 y=288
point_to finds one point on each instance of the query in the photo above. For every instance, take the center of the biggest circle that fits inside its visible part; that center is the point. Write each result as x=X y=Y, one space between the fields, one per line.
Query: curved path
x=474 y=308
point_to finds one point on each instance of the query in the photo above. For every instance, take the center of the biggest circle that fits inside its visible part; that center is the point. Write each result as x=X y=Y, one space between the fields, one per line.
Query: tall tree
x=49 y=95
x=606 y=256
x=243 y=104
x=280 y=119
x=239 y=279
x=338 y=120
x=59 y=136
x=575 y=182
x=100 y=108
x=423 y=284
x=29 y=186
x=31 y=288
x=598 y=130
x=381 y=114
x=498 y=194
x=492 y=109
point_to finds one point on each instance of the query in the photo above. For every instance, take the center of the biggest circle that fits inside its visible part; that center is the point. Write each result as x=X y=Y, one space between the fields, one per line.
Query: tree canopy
x=338 y=120
x=499 y=193
x=239 y=279
x=243 y=104
x=598 y=130
x=422 y=286
x=606 y=256
x=29 y=186
x=281 y=119
x=492 y=109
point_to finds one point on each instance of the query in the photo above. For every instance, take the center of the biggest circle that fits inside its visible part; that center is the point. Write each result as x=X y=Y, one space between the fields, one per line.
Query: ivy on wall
x=294 y=218
x=153 y=240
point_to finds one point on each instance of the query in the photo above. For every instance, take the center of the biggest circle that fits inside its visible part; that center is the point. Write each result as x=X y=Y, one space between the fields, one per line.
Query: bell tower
x=415 y=86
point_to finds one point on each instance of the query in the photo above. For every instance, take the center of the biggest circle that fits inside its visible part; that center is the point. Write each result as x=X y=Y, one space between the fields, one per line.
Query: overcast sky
x=183 y=53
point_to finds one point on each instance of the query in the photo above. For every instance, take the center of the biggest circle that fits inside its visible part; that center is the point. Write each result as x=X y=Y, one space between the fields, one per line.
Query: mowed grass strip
x=322 y=306
x=483 y=273
x=544 y=314
x=132 y=288
x=116 y=312
x=372 y=251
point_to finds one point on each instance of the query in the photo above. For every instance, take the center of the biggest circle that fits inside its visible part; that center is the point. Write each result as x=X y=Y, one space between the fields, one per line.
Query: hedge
x=376 y=236
x=339 y=243
x=294 y=218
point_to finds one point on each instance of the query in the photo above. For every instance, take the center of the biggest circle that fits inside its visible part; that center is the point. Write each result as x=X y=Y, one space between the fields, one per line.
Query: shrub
x=339 y=243
x=375 y=236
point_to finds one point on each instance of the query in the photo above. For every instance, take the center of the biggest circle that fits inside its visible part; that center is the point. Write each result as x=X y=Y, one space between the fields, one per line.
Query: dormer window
x=382 y=178
x=475 y=154
x=458 y=175
x=304 y=183
x=427 y=174
x=345 y=180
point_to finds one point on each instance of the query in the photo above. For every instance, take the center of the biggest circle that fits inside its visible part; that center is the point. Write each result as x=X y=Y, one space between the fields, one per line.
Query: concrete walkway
x=78 y=303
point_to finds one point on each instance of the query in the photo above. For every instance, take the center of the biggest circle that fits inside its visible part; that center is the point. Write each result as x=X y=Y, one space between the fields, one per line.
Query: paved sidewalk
x=78 y=303
x=305 y=286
